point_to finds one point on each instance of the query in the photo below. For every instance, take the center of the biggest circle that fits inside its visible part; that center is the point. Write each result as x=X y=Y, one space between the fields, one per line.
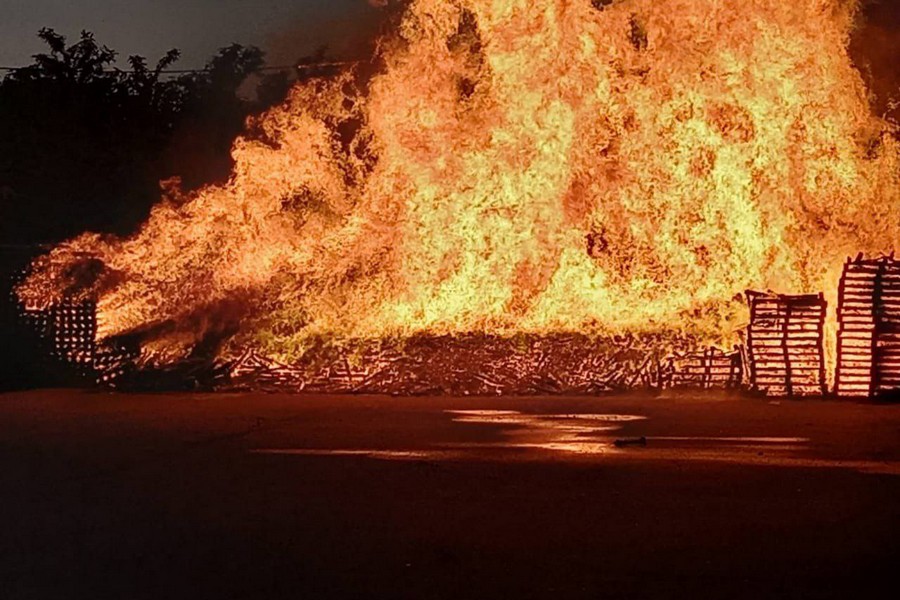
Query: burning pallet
x=785 y=344
x=63 y=333
x=712 y=368
x=869 y=328
x=68 y=333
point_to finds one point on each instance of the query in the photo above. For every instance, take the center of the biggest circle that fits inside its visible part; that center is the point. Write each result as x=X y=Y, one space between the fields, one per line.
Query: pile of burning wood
x=783 y=354
x=470 y=365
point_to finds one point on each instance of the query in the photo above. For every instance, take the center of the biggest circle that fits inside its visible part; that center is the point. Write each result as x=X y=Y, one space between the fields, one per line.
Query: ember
x=553 y=172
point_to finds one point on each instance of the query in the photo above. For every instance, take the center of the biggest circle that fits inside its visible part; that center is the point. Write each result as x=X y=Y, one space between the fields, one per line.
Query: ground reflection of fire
x=525 y=437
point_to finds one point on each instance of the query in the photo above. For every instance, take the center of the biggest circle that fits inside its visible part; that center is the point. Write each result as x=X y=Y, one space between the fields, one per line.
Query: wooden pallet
x=869 y=328
x=785 y=344
x=712 y=368
x=68 y=333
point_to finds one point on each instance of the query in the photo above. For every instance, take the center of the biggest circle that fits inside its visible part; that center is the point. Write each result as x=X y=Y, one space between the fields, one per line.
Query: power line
x=299 y=66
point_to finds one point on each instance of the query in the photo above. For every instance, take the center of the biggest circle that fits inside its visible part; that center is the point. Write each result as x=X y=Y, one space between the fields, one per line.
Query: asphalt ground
x=277 y=496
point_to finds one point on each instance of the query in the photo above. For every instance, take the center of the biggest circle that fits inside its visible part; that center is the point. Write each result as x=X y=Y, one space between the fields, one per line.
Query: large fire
x=521 y=167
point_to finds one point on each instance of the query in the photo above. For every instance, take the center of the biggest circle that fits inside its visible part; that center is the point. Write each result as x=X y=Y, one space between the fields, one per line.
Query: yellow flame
x=521 y=166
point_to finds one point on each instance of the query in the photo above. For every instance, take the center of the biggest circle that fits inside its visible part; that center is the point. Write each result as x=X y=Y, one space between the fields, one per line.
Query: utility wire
x=206 y=70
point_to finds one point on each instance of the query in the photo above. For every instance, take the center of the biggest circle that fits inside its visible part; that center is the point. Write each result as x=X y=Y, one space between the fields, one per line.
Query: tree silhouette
x=84 y=146
x=87 y=143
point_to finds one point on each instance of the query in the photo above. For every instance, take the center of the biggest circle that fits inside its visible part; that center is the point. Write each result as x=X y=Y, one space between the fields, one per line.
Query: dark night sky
x=287 y=28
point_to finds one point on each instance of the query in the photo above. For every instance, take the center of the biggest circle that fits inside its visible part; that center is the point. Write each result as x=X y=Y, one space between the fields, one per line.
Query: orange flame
x=520 y=166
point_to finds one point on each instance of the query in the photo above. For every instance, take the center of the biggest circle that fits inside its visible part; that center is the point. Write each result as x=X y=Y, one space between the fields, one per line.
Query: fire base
x=471 y=365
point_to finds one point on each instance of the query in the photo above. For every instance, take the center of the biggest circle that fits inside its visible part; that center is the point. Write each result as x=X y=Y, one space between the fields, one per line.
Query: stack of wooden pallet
x=712 y=368
x=785 y=344
x=68 y=332
x=869 y=328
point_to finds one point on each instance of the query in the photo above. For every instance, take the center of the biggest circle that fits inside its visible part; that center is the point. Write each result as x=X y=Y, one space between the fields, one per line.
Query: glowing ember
x=521 y=167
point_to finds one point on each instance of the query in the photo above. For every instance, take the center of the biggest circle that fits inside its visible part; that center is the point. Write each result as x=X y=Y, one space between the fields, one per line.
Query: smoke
x=873 y=48
x=348 y=38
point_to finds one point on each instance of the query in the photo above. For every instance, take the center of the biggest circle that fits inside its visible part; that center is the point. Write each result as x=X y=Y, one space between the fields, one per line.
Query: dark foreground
x=251 y=496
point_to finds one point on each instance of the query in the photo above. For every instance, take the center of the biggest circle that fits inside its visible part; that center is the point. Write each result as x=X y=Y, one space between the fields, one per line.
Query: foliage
x=87 y=144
